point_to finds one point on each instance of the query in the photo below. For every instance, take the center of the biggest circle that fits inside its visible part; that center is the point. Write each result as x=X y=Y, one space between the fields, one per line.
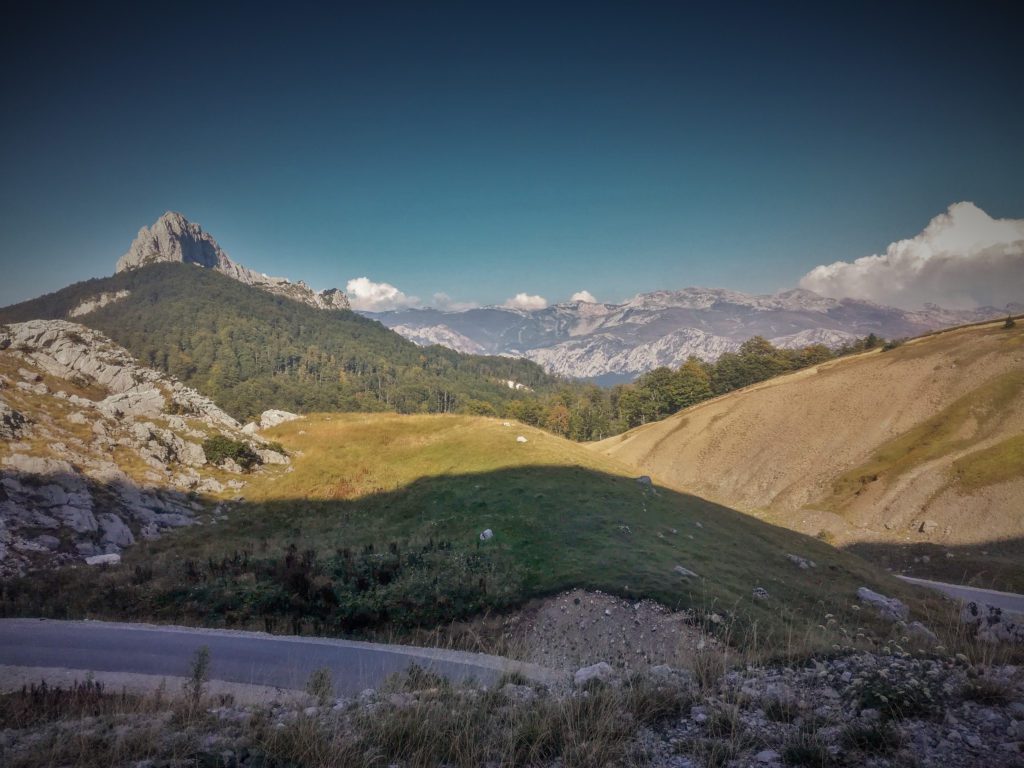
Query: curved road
x=250 y=658
x=1007 y=601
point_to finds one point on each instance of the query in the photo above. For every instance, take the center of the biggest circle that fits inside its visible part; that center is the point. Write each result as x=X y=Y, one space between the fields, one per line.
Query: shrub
x=898 y=693
x=320 y=686
x=220 y=448
x=875 y=739
x=987 y=691
x=1010 y=322
x=196 y=683
x=807 y=750
x=651 y=702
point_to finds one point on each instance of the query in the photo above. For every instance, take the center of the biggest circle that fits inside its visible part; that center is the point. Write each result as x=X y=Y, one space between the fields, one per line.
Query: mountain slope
x=590 y=340
x=97 y=451
x=252 y=350
x=380 y=520
x=916 y=444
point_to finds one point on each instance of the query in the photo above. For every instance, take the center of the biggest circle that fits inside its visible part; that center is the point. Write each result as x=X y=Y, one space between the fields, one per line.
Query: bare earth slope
x=922 y=443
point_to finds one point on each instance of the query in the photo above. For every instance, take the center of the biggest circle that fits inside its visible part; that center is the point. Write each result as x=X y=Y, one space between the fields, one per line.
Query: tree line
x=588 y=412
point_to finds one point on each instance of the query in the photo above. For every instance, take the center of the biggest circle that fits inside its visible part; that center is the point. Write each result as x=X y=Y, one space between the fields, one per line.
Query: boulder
x=601 y=671
x=108 y=559
x=801 y=562
x=12 y=422
x=520 y=439
x=143 y=403
x=992 y=624
x=268 y=456
x=274 y=417
x=889 y=607
x=644 y=480
x=487 y=535
x=685 y=572
x=918 y=631
x=115 y=531
x=760 y=593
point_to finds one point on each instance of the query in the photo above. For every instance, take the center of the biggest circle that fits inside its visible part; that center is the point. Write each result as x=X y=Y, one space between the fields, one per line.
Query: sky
x=489 y=151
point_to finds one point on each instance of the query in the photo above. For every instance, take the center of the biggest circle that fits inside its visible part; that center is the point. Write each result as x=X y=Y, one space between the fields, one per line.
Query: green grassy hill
x=251 y=350
x=378 y=525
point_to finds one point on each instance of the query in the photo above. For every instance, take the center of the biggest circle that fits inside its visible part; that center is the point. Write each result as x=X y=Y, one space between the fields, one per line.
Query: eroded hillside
x=922 y=443
x=97 y=452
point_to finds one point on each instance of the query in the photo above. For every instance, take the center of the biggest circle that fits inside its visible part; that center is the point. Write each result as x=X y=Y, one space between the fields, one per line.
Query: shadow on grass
x=413 y=557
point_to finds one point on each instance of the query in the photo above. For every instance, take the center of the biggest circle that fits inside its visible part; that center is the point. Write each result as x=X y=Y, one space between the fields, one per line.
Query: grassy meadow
x=377 y=524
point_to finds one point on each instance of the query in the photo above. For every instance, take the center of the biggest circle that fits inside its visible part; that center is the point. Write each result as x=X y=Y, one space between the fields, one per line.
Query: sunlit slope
x=928 y=435
x=562 y=516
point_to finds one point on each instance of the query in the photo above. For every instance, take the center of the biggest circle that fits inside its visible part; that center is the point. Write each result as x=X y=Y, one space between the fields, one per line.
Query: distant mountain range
x=607 y=343
x=614 y=342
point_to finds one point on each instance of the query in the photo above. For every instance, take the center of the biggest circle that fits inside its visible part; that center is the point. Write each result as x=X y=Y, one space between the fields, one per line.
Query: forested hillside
x=250 y=350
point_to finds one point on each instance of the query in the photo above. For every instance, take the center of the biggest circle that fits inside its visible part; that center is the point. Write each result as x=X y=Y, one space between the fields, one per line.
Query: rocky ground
x=98 y=451
x=580 y=628
x=855 y=710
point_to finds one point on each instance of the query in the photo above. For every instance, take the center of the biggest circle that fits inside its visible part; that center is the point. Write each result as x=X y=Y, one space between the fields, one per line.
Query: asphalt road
x=250 y=658
x=1008 y=601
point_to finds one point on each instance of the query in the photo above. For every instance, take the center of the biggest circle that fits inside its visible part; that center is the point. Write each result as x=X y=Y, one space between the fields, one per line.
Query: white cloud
x=963 y=258
x=525 y=301
x=369 y=296
x=446 y=303
x=583 y=296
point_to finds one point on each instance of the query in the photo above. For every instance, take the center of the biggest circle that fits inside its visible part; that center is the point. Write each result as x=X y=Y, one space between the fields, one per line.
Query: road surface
x=250 y=658
x=1008 y=601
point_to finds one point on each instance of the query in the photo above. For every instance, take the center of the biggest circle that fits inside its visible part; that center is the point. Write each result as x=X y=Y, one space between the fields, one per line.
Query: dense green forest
x=250 y=350
x=591 y=413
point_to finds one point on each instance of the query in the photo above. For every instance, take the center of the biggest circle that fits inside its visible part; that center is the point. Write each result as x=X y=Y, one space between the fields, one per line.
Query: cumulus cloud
x=446 y=303
x=583 y=296
x=366 y=295
x=525 y=301
x=964 y=258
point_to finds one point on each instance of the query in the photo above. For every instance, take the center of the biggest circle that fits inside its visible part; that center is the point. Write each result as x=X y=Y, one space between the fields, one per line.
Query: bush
x=807 y=750
x=898 y=694
x=984 y=690
x=320 y=686
x=877 y=739
x=220 y=448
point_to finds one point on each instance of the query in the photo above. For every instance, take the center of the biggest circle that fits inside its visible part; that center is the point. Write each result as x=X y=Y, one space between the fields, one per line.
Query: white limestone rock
x=173 y=238
x=98 y=302
x=889 y=607
x=602 y=672
x=274 y=417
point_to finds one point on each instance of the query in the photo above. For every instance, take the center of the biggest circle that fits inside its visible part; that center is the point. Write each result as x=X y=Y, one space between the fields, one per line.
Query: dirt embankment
x=921 y=443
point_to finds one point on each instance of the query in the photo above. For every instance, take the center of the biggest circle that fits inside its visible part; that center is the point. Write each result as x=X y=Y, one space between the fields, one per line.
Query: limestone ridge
x=97 y=451
x=176 y=239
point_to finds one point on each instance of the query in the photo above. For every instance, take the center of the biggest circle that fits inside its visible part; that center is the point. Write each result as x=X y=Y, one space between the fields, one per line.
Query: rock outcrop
x=174 y=238
x=98 y=302
x=98 y=452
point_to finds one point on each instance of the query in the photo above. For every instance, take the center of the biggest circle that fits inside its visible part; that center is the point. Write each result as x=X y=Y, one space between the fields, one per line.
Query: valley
x=907 y=455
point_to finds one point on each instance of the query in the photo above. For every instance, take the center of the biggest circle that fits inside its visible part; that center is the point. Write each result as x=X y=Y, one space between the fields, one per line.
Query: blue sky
x=484 y=150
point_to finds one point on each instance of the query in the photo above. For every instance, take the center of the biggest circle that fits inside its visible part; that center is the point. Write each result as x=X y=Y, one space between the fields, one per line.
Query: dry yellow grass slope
x=876 y=447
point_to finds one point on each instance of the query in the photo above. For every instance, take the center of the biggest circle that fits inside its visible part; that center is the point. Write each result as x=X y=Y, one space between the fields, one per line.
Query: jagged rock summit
x=176 y=239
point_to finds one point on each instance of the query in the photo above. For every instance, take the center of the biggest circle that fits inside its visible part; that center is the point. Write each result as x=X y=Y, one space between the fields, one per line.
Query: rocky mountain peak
x=173 y=238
